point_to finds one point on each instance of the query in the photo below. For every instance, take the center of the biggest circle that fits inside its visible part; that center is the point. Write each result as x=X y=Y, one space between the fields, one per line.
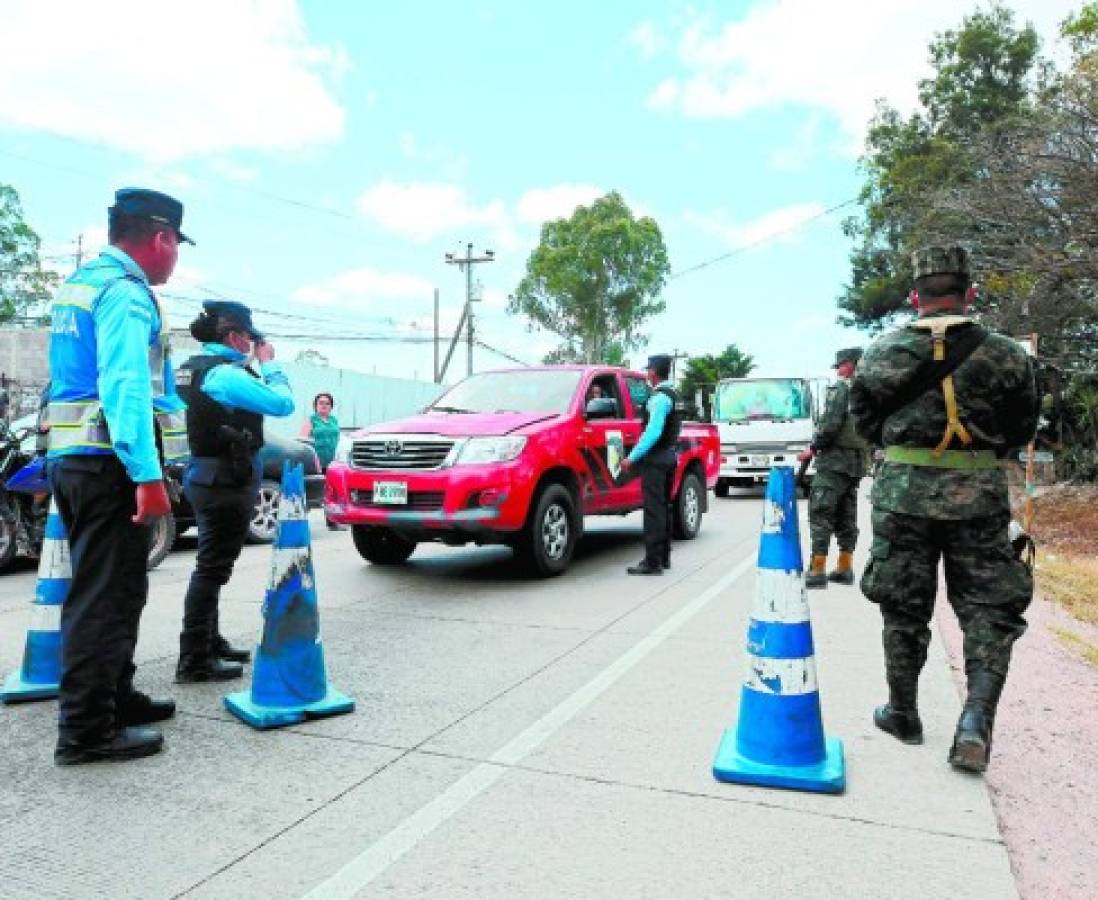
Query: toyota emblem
x=393 y=448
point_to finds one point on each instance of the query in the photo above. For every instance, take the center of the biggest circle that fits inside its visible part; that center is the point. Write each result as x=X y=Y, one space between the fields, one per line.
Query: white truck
x=763 y=422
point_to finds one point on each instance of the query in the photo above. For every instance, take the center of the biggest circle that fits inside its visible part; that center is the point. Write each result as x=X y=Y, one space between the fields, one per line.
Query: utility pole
x=79 y=250
x=437 y=378
x=465 y=264
x=675 y=357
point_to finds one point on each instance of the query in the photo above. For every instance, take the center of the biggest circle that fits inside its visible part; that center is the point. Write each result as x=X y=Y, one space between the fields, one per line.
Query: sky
x=330 y=154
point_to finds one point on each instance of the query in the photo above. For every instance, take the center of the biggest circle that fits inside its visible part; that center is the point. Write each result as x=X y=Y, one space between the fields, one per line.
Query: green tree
x=983 y=78
x=702 y=373
x=593 y=280
x=23 y=281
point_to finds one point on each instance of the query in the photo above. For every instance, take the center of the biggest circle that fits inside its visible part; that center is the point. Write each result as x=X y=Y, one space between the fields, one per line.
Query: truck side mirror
x=601 y=408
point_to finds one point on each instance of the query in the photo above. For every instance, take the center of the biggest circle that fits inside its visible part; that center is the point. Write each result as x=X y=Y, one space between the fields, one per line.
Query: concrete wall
x=24 y=363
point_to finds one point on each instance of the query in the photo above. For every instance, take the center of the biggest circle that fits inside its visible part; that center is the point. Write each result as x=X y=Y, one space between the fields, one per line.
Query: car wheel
x=549 y=540
x=161 y=539
x=381 y=546
x=688 y=508
x=9 y=546
x=264 y=523
x=721 y=489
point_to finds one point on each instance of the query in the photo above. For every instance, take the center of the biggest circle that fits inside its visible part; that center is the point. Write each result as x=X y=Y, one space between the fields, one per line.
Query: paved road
x=513 y=738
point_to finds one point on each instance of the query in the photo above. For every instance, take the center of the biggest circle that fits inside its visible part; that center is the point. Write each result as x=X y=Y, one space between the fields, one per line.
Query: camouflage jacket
x=997 y=402
x=838 y=447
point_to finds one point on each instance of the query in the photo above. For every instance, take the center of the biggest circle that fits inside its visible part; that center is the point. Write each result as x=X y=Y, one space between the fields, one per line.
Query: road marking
x=385 y=851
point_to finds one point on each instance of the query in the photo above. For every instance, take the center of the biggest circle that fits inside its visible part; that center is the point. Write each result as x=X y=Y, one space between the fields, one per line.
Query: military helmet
x=850 y=354
x=940 y=261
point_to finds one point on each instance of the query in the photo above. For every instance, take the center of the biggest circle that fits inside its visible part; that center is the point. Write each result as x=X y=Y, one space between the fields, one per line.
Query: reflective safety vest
x=75 y=413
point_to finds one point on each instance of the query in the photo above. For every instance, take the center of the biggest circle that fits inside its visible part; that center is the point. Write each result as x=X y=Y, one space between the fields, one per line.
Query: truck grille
x=421 y=501
x=394 y=453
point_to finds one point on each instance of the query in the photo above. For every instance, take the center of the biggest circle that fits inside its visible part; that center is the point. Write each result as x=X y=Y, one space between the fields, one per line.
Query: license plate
x=760 y=460
x=391 y=493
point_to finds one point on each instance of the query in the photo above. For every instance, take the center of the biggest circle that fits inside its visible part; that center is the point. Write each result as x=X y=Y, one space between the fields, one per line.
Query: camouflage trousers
x=988 y=587
x=833 y=510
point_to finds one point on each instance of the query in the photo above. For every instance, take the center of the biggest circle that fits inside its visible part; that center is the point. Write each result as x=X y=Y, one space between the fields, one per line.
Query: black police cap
x=661 y=362
x=145 y=204
x=236 y=314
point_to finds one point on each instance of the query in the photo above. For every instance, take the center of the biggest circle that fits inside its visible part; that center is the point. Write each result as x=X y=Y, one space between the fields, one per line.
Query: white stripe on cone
x=292 y=508
x=55 y=563
x=779 y=597
x=784 y=677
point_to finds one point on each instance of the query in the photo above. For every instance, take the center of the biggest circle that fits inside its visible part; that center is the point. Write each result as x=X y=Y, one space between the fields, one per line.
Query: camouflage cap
x=940 y=260
x=850 y=354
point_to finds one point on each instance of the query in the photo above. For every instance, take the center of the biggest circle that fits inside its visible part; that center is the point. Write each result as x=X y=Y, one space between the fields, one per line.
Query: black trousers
x=657 y=471
x=100 y=617
x=222 y=512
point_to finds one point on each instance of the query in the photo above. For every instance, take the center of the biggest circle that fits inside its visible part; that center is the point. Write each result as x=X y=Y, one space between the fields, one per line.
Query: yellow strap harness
x=954 y=426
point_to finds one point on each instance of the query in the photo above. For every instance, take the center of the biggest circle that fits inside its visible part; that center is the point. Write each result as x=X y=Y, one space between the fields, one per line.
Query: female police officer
x=226 y=403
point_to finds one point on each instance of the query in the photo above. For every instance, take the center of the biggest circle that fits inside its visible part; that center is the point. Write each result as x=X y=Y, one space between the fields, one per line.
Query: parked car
x=516 y=457
x=276 y=450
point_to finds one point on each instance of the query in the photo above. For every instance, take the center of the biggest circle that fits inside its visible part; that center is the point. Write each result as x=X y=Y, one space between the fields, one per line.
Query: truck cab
x=763 y=422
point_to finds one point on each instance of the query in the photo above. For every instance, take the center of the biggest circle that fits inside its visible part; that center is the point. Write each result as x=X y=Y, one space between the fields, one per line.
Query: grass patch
x=1070 y=581
x=1085 y=649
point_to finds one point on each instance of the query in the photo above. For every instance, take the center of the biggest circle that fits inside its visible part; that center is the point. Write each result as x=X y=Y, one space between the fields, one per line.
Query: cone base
x=827 y=776
x=241 y=705
x=17 y=690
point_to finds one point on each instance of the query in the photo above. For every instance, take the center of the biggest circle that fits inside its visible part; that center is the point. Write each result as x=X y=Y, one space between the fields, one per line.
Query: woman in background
x=322 y=428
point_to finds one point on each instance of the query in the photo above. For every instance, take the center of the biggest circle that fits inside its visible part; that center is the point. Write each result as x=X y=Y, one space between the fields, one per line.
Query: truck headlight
x=478 y=451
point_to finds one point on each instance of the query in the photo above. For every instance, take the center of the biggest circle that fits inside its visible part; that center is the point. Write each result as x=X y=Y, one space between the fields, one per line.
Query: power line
x=736 y=251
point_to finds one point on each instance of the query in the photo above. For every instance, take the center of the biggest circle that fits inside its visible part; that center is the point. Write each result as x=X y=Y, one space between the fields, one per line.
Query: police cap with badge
x=142 y=203
x=233 y=314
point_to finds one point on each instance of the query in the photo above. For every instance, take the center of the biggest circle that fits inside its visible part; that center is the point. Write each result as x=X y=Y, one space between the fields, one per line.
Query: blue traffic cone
x=289 y=683
x=38 y=677
x=779 y=740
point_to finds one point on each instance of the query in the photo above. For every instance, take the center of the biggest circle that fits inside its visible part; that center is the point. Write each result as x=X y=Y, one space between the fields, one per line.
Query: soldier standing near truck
x=840 y=465
x=947 y=399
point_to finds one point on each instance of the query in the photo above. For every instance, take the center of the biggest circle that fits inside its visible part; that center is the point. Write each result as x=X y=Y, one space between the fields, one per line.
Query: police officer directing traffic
x=107 y=364
x=947 y=399
x=226 y=403
x=655 y=457
x=840 y=464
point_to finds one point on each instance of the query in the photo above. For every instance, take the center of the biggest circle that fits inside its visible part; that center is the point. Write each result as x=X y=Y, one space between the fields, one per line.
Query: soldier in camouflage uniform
x=942 y=494
x=840 y=465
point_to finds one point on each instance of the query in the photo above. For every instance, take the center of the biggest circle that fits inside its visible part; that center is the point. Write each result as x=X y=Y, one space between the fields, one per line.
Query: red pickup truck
x=515 y=457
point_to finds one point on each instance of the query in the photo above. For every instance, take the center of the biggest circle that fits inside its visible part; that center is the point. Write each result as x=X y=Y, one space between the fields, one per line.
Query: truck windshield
x=535 y=391
x=762 y=398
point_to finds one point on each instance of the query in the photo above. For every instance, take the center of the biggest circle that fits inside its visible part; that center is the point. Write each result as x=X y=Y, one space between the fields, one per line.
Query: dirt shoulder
x=1043 y=776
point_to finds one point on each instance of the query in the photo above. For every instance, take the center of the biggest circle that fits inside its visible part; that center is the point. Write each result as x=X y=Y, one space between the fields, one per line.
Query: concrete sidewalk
x=512 y=739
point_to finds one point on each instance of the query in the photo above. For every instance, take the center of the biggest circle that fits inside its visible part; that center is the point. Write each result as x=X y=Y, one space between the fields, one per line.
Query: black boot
x=900 y=716
x=193 y=669
x=122 y=743
x=971 y=748
x=137 y=708
x=224 y=650
x=644 y=567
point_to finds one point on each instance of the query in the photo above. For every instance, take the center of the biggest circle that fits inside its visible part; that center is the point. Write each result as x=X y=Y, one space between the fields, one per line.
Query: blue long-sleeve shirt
x=659 y=407
x=231 y=386
x=126 y=323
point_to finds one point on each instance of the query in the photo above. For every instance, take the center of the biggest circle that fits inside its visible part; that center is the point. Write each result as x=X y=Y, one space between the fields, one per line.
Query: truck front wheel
x=381 y=546
x=688 y=508
x=549 y=539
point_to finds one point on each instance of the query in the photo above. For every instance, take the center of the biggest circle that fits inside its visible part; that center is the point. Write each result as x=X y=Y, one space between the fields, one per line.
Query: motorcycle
x=24 y=497
x=25 y=503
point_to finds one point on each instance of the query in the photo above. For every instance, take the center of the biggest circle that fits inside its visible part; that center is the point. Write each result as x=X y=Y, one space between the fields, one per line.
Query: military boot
x=971 y=748
x=816 y=576
x=900 y=716
x=843 y=573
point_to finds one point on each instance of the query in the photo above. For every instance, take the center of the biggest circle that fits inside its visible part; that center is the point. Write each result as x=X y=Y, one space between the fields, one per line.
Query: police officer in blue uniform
x=226 y=402
x=655 y=457
x=107 y=362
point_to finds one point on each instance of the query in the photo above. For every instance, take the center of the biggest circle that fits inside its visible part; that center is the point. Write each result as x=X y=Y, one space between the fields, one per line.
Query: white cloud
x=783 y=223
x=232 y=171
x=423 y=210
x=793 y=156
x=837 y=56
x=360 y=288
x=646 y=39
x=557 y=202
x=184 y=80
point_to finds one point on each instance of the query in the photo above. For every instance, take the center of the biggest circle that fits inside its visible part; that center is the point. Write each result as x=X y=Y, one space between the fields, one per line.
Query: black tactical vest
x=672 y=425
x=205 y=416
